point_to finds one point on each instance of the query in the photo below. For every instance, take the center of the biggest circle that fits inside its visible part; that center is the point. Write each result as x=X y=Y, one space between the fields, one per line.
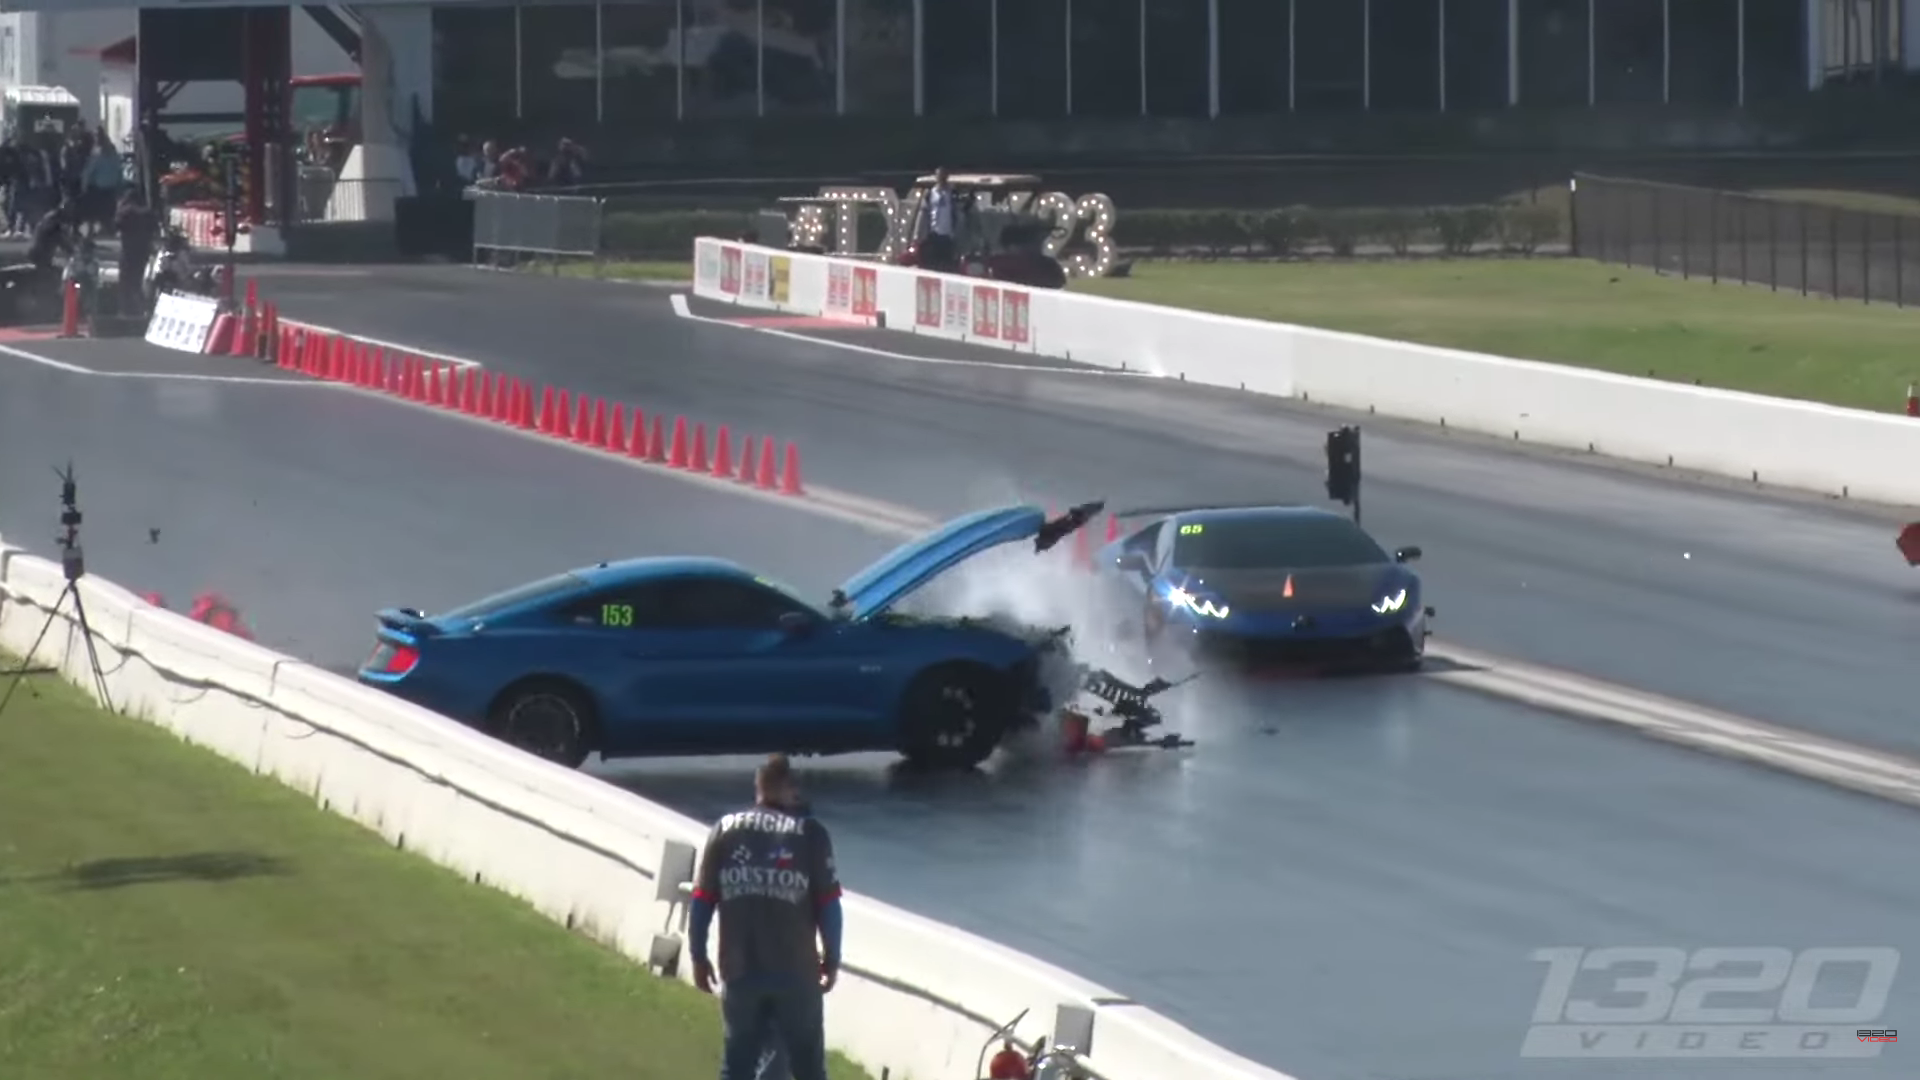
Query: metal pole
x=1213 y=59
x=599 y=61
x=1143 y=56
x=1069 y=9
x=680 y=60
x=993 y=58
x=1513 y=52
x=1443 y=54
x=1740 y=54
x=1666 y=52
x=1293 y=53
x=840 y=57
x=919 y=57
x=1593 y=77
x=760 y=57
x=519 y=78
x=1366 y=55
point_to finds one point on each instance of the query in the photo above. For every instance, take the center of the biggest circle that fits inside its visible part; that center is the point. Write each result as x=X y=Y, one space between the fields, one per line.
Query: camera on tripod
x=73 y=562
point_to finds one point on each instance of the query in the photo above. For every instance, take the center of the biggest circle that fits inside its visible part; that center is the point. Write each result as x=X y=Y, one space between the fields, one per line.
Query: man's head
x=774 y=783
x=940 y=175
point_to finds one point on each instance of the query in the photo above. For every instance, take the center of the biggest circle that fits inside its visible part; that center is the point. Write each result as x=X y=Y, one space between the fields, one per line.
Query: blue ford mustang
x=681 y=655
x=1284 y=585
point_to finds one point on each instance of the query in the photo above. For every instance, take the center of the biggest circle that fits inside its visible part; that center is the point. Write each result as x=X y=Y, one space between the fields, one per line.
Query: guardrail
x=917 y=998
x=517 y=224
x=1848 y=453
x=1800 y=246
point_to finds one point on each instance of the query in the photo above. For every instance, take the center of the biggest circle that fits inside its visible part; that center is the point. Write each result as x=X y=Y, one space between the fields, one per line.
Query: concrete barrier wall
x=1834 y=451
x=917 y=998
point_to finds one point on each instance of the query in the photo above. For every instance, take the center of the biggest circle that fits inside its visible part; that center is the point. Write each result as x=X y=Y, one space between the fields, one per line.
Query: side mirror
x=796 y=624
x=1133 y=562
x=1406 y=554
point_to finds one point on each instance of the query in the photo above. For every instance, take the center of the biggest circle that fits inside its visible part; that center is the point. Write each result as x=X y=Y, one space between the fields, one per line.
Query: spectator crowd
x=79 y=170
x=516 y=168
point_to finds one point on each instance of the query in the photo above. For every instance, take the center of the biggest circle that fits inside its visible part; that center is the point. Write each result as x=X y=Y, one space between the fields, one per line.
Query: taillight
x=391 y=659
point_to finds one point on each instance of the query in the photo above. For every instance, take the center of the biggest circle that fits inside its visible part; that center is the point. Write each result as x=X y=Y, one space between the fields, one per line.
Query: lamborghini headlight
x=1391 y=603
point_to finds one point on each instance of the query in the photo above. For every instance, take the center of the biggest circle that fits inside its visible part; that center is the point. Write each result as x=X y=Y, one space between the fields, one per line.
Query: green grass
x=1573 y=312
x=165 y=915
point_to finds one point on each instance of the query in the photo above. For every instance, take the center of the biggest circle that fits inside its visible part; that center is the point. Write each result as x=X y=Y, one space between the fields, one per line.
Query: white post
x=1513 y=52
x=1213 y=59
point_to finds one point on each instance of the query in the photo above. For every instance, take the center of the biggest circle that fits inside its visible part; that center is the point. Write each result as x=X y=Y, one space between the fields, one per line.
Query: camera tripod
x=73 y=565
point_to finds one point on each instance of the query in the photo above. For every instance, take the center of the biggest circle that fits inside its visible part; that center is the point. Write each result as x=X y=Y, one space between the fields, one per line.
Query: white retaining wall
x=917 y=998
x=1796 y=444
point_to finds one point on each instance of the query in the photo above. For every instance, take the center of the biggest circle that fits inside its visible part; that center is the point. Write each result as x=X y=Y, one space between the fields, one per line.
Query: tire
x=549 y=718
x=953 y=716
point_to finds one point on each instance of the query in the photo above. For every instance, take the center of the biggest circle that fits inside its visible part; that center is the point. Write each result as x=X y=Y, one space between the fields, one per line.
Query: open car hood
x=917 y=562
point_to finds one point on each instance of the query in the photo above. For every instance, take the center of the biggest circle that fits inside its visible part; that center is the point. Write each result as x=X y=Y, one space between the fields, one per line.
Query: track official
x=768 y=872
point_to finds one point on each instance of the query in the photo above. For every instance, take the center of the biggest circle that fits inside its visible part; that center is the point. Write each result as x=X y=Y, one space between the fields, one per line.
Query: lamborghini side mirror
x=1406 y=555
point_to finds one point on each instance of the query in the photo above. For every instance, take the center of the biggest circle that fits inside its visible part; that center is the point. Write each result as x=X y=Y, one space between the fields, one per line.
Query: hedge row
x=1279 y=233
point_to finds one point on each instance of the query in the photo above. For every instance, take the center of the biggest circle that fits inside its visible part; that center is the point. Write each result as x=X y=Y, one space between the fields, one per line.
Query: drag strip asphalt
x=1790 y=609
x=1344 y=880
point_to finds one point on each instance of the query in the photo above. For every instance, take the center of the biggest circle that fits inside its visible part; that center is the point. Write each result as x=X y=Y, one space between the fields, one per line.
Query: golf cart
x=996 y=235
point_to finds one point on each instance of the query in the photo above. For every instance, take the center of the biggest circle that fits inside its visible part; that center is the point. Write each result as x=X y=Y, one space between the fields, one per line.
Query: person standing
x=937 y=249
x=768 y=873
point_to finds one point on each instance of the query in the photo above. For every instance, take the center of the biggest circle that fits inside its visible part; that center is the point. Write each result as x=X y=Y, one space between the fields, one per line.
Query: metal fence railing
x=514 y=224
x=1811 y=248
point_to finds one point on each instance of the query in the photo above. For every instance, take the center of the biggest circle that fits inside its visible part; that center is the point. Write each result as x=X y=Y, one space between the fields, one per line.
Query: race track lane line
x=391 y=346
x=680 y=308
x=157 y=376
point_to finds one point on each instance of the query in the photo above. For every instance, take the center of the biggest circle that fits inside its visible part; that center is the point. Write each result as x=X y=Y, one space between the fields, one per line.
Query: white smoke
x=1025 y=592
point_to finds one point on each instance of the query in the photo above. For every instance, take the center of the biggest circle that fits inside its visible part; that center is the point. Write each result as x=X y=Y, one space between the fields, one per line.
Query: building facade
x=550 y=64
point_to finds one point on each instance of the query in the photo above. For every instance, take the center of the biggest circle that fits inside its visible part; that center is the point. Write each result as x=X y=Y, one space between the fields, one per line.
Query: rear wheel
x=548 y=718
x=953 y=716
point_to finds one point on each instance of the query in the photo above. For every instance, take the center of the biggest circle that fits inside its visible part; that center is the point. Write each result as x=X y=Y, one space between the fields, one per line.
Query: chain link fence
x=509 y=227
x=1810 y=248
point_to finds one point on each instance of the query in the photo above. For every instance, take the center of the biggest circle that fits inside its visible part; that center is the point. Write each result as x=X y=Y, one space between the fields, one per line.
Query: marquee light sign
x=835 y=214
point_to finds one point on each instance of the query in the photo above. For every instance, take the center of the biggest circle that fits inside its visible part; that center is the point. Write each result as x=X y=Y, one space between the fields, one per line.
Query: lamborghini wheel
x=953 y=716
x=547 y=718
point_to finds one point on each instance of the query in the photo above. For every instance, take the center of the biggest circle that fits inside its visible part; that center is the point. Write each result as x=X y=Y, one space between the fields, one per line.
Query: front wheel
x=547 y=718
x=953 y=716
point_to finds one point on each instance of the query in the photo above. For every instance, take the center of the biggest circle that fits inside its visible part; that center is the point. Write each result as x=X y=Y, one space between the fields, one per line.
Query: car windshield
x=789 y=592
x=557 y=585
x=1277 y=543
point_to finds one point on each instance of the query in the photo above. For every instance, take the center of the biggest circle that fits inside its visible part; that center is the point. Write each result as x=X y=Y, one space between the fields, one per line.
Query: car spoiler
x=407 y=624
